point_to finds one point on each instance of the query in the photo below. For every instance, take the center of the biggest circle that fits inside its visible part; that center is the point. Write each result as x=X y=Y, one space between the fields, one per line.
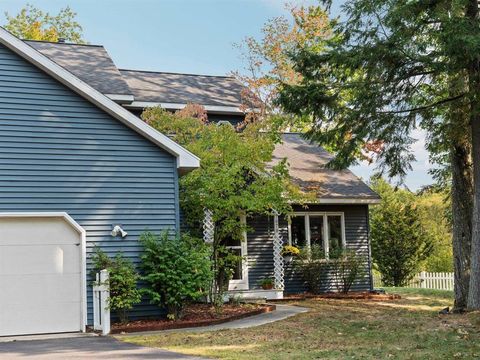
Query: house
x=73 y=163
x=76 y=161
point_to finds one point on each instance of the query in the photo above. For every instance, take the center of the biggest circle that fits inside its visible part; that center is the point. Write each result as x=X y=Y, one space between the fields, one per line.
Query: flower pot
x=267 y=286
x=288 y=259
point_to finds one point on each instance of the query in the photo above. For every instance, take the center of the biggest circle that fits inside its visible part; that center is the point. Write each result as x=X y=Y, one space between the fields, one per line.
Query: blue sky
x=192 y=36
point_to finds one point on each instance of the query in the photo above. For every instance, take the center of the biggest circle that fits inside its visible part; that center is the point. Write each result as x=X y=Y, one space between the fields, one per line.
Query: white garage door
x=41 y=276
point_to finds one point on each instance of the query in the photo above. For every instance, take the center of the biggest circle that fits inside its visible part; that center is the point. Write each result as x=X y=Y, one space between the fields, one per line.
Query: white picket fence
x=424 y=280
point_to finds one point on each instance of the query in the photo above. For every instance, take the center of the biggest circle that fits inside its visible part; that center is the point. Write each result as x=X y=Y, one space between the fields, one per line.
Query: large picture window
x=326 y=230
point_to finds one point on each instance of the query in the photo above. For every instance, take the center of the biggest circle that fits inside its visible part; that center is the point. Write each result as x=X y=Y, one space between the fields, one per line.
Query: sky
x=188 y=36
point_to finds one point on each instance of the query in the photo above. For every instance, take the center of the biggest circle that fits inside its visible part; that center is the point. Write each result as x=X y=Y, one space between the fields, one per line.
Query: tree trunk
x=473 y=302
x=474 y=288
x=462 y=222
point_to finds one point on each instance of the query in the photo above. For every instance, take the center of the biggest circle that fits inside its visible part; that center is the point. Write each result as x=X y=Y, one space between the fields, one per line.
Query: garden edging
x=180 y=325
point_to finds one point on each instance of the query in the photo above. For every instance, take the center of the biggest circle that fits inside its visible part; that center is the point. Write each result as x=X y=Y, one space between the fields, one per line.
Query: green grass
x=408 y=328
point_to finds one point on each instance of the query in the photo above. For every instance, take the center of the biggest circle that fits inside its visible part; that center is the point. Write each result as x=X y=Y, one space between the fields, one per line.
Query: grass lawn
x=409 y=328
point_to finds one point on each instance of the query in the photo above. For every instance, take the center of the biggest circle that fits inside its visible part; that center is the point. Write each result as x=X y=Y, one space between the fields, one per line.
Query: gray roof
x=165 y=87
x=90 y=63
x=307 y=170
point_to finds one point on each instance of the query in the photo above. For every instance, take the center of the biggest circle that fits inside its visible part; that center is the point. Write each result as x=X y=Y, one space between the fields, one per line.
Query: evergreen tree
x=389 y=68
x=399 y=241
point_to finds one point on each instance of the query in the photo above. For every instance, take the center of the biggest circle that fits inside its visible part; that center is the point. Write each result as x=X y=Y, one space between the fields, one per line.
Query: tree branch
x=420 y=108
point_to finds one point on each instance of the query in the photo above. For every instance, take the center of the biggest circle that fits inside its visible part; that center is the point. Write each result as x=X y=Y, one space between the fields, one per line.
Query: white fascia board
x=185 y=160
x=232 y=110
x=45 y=214
x=347 y=201
x=121 y=99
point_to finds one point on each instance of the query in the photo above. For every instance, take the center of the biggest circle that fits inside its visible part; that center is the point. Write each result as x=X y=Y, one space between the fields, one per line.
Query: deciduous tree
x=34 y=24
x=266 y=60
x=233 y=178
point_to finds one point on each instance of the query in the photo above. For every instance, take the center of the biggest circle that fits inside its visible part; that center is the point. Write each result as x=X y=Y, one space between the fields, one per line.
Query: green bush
x=312 y=266
x=122 y=282
x=177 y=270
x=347 y=266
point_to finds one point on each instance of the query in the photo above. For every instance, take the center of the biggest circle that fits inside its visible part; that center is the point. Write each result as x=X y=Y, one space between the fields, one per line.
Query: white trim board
x=83 y=245
x=353 y=201
x=273 y=294
x=185 y=160
x=121 y=99
x=214 y=109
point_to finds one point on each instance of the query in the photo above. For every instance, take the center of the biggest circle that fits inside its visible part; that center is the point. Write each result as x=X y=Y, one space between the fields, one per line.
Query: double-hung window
x=323 y=229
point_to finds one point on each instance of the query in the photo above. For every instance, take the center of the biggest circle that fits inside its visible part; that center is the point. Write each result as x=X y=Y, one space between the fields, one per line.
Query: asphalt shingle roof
x=90 y=63
x=165 y=87
x=307 y=169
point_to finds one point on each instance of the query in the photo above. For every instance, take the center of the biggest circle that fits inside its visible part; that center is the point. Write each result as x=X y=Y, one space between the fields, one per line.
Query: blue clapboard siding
x=58 y=152
x=260 y=247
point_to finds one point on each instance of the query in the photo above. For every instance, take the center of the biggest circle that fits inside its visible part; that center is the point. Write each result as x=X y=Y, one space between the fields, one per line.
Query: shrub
x=312 y=266
x=347 y=266
x=176 y=269
x=122 y=282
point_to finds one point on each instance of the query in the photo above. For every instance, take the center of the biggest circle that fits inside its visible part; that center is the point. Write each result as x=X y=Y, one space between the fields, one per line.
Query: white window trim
x=325 y=214
x=243 y=283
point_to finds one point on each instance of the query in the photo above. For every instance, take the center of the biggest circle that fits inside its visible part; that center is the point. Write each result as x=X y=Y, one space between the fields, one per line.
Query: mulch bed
x=195 y=315
x=354 y=295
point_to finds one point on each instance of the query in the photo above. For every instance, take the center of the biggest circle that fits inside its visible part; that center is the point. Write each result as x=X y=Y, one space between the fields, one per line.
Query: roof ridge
x=61 y=43
x=176 y=73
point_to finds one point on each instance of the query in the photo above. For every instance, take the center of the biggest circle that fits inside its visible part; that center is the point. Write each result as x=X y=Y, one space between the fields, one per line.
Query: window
x=239 y=279
x=335 y=234
x=235 y=247
x=325 y=230
x=298 y=237
x=316 y=230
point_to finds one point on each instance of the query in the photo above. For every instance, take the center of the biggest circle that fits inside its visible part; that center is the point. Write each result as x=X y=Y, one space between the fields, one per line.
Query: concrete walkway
x=282 y=312
x=82 y=348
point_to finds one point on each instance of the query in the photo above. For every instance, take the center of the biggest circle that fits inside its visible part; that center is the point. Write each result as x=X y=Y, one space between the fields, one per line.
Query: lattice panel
x=208 y=226
x=279 y=275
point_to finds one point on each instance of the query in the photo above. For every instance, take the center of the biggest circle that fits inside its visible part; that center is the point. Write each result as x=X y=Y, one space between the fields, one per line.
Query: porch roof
x=307 y=169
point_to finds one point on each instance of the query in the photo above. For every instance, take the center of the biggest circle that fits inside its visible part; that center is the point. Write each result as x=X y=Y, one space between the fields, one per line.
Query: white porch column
x=208 y=226
x=278 y=270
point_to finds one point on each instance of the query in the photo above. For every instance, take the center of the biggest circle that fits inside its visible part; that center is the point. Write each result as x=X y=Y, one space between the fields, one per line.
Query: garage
x=42 y=274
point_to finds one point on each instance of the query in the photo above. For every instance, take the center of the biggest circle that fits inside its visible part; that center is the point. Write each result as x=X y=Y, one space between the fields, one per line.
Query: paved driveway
x=91 y=347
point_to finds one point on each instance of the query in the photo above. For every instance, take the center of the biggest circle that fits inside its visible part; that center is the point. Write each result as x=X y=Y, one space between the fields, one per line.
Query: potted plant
x=288 y=252
x=266 y=284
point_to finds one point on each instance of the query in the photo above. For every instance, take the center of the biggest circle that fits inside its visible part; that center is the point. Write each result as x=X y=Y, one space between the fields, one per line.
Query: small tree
x=122 y=282
x=233 y=179
x=435 y=214
x=399 y=242
x=32 y=23
x=177 y=270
